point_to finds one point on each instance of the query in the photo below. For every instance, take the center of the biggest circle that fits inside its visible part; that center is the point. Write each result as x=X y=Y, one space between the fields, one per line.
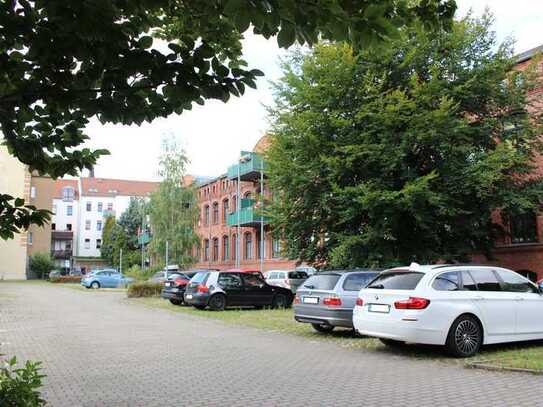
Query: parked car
x=286 y=279
x=306 y=269
x=105 y=279
x=460 y=307
x=174 y=287
x=54 y=274
x=220 y=289
x=326 y=299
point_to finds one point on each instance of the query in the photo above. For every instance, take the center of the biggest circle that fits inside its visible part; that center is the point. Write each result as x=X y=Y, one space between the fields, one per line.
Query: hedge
x=144 y=289
x=65 y=279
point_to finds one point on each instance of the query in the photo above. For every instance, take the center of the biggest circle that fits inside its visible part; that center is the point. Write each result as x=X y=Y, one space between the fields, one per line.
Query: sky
x=214 y=134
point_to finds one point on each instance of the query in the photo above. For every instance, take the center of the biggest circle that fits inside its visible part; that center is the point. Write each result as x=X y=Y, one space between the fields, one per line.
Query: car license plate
x=311 y=300
x=167 y=284
x=382 y=308
x=189 y=296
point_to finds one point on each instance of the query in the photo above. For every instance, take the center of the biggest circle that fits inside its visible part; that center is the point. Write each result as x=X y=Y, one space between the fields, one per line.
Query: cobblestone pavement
x=100 y=350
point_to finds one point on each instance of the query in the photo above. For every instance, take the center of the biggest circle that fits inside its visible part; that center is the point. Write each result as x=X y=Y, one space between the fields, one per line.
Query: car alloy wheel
x=95 y=284
x=465 y=337
x=217 y=302
x=280 y=301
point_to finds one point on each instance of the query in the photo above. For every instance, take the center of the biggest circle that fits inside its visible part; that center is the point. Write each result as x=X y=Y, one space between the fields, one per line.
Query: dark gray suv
x=326 y=300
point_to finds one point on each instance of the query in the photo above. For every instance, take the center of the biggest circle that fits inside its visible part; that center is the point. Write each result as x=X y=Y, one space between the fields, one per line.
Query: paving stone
x=100 y=350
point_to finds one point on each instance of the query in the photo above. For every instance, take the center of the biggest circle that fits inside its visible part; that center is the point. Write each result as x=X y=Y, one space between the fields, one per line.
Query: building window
x=69 y=226
x=276 y=248
x=87 y=225
x=206 y=250
x=225 y=248
x=215 y=213
x=100 y=206
x=206 y=215
x=53 y=226
x=248 y=195
x=224 y=210
x=248 y=243
x=98 y=243
x=89 y=206
x=234 y=203
x=69 y=210
x=524 y=228
x=29 y=238
x=215 y=249
x=110 y=206
x=67 y=194
x=234 y=246
x=87 y=243
x=99 y=225
x=32 y=192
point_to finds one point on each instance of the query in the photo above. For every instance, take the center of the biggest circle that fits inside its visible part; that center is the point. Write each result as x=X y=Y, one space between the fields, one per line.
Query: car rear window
x=357 y=281
x=322 y=282
x=397 y=280
x=297 y=274
x=199 y=278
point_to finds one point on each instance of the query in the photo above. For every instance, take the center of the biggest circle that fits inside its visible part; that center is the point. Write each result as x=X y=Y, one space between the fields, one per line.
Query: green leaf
x=286 y=36
x=146 y=41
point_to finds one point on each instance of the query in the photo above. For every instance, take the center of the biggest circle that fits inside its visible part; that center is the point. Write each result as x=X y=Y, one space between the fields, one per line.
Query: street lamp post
x=238 y=229
x=262 y=239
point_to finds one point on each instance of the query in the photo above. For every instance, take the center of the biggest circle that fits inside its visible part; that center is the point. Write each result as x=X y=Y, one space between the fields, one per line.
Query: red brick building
x=521 y=249
x=218 y=223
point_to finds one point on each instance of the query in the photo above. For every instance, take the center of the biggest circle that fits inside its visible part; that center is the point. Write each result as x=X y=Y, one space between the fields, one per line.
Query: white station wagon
x=461 y=307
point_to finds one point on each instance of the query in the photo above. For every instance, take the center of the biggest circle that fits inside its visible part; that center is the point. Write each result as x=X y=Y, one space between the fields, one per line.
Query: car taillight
x=412 y=303
x=180 y=281
x=333 y=301
x=296 y=300
x=359 y=302
x=202 y=288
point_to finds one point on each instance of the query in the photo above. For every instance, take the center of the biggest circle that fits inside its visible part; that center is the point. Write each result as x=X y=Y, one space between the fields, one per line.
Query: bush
x=138 y=275
x=20 y=386
x=144 y=289
x=41 y=264
x=65 y=279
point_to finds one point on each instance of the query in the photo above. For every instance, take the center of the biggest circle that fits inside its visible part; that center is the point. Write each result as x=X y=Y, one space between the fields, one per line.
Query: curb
x=490 y=367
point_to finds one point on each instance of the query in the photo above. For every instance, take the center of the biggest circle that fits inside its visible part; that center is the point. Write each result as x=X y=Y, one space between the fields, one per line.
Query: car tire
x=465 y=337
x=200 y=307
x=280 y=301
x=95 y=284
x=175 y=302
x=323 y=328
x=392 y=343
x=217 y=302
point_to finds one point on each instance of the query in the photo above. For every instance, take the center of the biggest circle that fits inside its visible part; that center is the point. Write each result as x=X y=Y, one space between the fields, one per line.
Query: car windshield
x=199 y=277
x=357 y=281
x=322 y=282
x=297 y=274
x=397 y=280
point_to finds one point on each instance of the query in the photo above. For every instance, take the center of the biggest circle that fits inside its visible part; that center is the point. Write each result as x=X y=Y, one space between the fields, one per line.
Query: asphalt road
x=99 y=349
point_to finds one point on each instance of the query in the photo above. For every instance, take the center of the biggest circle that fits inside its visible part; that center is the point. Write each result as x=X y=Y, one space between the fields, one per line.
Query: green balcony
x=248 y=217
x=249 y=168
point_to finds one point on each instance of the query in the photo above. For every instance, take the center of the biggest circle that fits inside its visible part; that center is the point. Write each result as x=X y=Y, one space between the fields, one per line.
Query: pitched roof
x=61 y=183
x=112 y=187
x=526 y=55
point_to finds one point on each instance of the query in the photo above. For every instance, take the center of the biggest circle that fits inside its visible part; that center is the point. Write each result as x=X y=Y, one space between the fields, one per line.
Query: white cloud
x=215 y=133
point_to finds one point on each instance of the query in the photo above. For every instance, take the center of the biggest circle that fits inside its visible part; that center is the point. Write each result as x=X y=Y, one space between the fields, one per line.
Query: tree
x=403 y=153
x=117 y=236
x=132 y=220
x=63 y=62
x=173 y=209
x=41 y=264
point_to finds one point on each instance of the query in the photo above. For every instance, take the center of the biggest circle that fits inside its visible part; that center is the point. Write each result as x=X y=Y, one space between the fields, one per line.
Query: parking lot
x=99 y=349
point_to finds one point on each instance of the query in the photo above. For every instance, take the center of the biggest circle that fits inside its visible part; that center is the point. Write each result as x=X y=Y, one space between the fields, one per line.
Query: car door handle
x=479 y=298
x=519 y=299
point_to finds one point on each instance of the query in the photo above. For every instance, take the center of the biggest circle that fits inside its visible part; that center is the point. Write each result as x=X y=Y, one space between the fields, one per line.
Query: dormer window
x=68 y=194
